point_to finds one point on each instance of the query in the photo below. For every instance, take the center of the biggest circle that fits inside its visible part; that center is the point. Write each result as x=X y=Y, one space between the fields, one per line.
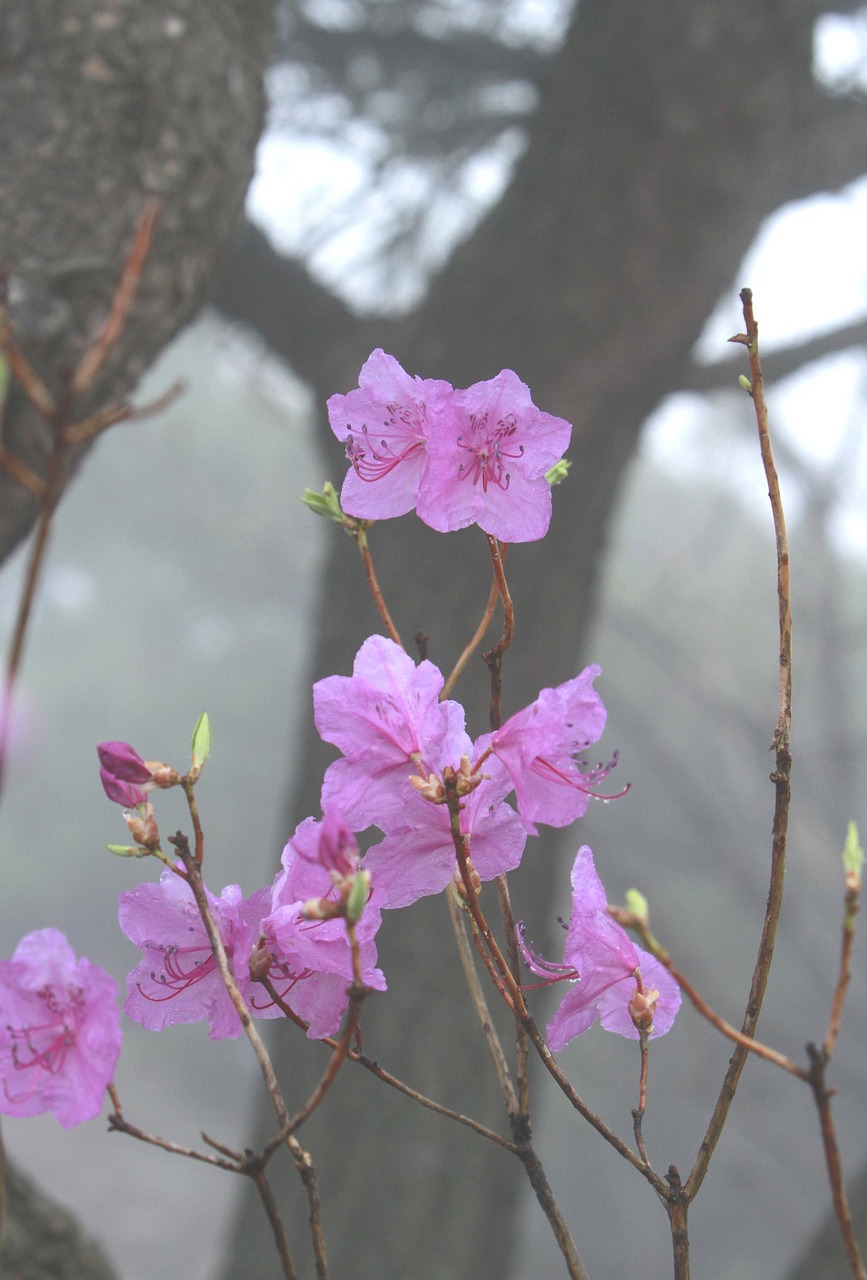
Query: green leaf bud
x=325 y=504
x=558 y=472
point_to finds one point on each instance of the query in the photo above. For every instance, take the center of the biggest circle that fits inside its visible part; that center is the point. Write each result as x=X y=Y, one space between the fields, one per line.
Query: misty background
x=185 y=575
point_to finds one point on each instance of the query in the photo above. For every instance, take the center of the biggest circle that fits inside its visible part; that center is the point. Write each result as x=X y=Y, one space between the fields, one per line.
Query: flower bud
x=320 y=909
x=119 y=792
x=142 y=826
x=260 y=961
x=475 y=880
x=123 y=762
x=163 y=775
x=642 y=1007
x=356 y=900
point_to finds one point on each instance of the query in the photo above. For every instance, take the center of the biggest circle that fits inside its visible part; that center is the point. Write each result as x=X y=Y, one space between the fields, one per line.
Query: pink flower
x=123 y=773
x=385 y=426
x=177 y=980
x=417 y=856
x=311 y=960
x=538 y=747
x=617 y=980
x=487 y=462
x=477 y=456
x=59 y=1030
x=388 y=721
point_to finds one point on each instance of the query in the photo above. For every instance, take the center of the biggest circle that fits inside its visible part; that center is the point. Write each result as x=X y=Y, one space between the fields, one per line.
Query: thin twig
x=94 y=358
x=358 y=530
x=307 y=1173
x=782 y=771
x=478 y=635
x=387 y=1078
x=477 y=995
x=192 y=804
x=630 y=921
x=494 y=657
x=638 y=1113
x=281 y=1243
x=522 y=1071
x=338 y=1057
x=852 y=904
x=194 y=878
x=822 y=1095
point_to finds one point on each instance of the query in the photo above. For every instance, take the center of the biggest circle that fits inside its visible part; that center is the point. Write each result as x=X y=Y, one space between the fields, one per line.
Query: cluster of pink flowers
x=406 y=767
x=458 y=457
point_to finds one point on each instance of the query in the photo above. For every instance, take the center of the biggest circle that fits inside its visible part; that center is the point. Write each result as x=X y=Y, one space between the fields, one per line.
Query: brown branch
x=852 y=904
x=480 y=1004
x=780 y=776
x=269 y=1204
x=387 y=1078
x=95 y=357
x=514 y=957
x=358 y=530
x=307 y=1173
x=638 y=1113
x=194 y=878
x=722 y=374
x=822 y=1095
x=478 y=635
x=494 y=657
x=631 y=921
x=338 y=1057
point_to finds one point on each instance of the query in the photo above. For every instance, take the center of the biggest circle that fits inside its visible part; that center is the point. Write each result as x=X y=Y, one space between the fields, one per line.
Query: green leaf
x=201 y=741
x=128 y=851
x=853 y=854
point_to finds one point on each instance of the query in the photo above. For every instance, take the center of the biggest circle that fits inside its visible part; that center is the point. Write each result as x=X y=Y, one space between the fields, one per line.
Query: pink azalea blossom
x=59 y=1031
x=177 y=979
x=417 y=856
x=612 y=975
x=477 y=456
x=385 y=426
x=538 y=746
x=487 y=461
x=388 y=721
x=311 y=960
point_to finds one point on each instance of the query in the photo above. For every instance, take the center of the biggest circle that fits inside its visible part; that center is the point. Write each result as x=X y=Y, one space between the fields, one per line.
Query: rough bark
x=101 y=108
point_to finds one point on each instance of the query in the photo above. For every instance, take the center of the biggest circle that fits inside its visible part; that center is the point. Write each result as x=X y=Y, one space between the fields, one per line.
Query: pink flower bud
x=123 y=762
x=123 y=793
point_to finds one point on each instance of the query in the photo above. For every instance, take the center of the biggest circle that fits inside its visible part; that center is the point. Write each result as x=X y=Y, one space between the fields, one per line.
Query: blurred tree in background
x=639 y=148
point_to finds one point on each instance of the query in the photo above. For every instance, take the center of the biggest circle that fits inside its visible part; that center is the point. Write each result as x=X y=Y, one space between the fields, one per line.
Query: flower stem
x=478 y=635
x=494 y=657
x=359 y=533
